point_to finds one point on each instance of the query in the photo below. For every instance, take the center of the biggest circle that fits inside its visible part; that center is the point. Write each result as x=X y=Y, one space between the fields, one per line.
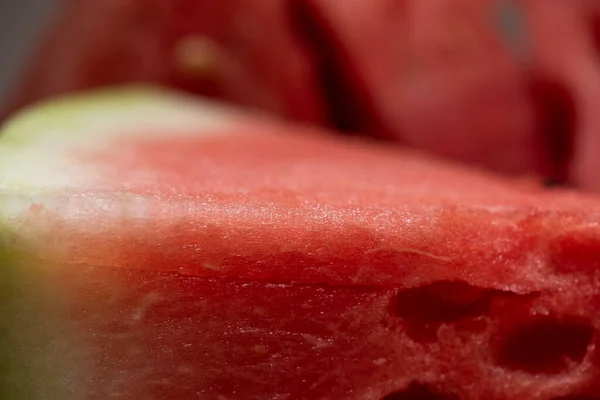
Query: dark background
x=20 y=23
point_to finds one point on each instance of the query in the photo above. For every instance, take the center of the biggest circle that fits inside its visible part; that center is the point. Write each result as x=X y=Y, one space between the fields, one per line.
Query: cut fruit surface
x=160 y=246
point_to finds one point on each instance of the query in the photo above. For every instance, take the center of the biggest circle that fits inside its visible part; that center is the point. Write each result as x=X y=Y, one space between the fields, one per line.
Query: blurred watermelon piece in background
x=491 y=83
x=417 y=70
x=241 y=50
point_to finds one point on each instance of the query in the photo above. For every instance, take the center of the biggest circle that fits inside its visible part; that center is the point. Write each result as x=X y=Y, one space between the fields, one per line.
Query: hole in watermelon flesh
x=424 y=309
x=418 y=391
x=545 y=345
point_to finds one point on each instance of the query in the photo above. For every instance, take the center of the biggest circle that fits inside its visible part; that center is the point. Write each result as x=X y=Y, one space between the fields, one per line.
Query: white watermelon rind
x=34 y=142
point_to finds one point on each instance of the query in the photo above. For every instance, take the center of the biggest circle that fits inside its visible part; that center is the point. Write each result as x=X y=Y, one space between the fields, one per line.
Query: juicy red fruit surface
x=306 y=275
x=170 y=336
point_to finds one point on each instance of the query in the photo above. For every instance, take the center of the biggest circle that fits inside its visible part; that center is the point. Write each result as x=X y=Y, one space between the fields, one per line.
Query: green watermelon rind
x=32 y=349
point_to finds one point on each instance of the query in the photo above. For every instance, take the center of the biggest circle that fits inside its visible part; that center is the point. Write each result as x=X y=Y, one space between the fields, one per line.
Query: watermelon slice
x=156 y=246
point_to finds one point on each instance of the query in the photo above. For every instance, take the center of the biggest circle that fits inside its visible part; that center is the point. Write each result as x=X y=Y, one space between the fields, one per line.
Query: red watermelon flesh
x=162 y=247
x=245 y=51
